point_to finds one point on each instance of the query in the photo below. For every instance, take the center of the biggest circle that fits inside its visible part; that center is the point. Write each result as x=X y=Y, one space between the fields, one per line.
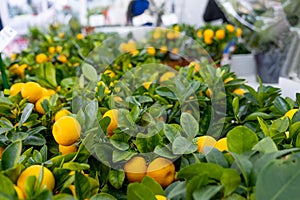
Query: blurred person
x=136 y=8
x=213 y=12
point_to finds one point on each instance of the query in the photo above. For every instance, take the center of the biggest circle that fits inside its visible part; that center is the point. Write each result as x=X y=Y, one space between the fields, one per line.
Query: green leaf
x=207 y=192
x=5 y=125
x=279 y=126
x=153 y=186
x=103 y=196
x=230 y=179
x=183 y=146
x=30 y=185
x=266 y=145
x=63 y=196
x=116 y=178
x=242 y=163
x=11 y=155
x=122 y=155
x=44 y=194
x=195 y=184
x=50 y=74
x=279 y=179
x=172 y=131
x=35 y=140
x=235 y=105
x=89 y=72
x=264 y=126
x=189 y=125
x=139 y=191
x=164 y=151
x=82 y=186
x=213 y=171
x=165 y=92
x=26 y=113
x=235 y=196
x=241 y=139
x=281 y=105
x=7 y=190
x=176 y=190
x=294 y=129
x=217 y=157
x=73 y=166
x=255 y=115
x=145 y=144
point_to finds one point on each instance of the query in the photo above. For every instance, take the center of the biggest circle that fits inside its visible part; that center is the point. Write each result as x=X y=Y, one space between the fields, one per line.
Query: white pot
x=244 y=66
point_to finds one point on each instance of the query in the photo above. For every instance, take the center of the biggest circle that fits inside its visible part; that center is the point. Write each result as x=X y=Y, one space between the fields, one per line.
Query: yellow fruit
x=175 y=50
x=230 y=28
x=117 y=99
x=208 y=33
x=38 y=104
x=135 y=169
x=51 y=50
x=199 y=33
x=208 y=41
x=1 y=151
x=220 y=34
x=196 y=66
x=79 y=36
x=67 y=149
x=162 y=171
x=160 y=197
x=176 y=28
x=151 y=51
x=222 y=144
x=156 y=35
x=239 y=91
x=147 y=85
x=238 y=32
x=61 y=35
x=41 y=58
x=60 y=114
x=110 y=73
x=66 y=131
x=170 y=35
x=48 y=92
x=73 y=190
x=166 y=76
x=163 y=49
x=32 y=91
x=58 y=49
x=48 y=180
x=62 y=58
x=290 y=114
x=177 y=34
x=205 y=141
x=134 y=52
x=228 y=80
x=16 y=88
x=18 y=69
x=208 y=93
x=113 y=115
x=13 y=56
x=19 y=192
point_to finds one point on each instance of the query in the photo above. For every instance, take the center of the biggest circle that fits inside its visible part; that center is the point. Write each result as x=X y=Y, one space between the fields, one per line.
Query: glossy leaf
x=11 y=155
x=207 y=192
x=26 y=113
x=139 y=191
x=181 y=145
x=266 y=145
x=153 y=186
x=230 y=179
x=89 y=72
x=189 y=125
x=116 y=178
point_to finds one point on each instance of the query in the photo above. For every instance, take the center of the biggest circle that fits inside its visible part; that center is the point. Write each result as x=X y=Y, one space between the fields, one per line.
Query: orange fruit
x=67 y=149
x=66 y=131
x=38 y=105
x=208 y=41
x=167 y=76
x=239 y=91
x=79 y=36
x=156 y=35
x=134 y=52
x=113 y=115
x=222 y=144
x=48 y=180
x=208 y=93
x=32 y=91
x=19 y=192
x=162 y=171
x=61 y=35
x=59 y=49
x=163 y=49
x=228 y=80
x=151 y=51
x=208 y=33
x=41 y=58
x=199 y=33
x=230 y=28
x=238 y=32
x=51 y=50
x=135 y=169
x=62 y=58
x=205 y=141
x=160 y=197
x=220 y=34
x=290 y=114
x=61 y=114
x=16 y=88
x=170 y=35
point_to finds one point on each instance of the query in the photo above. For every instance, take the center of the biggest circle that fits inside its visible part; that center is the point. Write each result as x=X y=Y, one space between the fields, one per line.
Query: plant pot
x=244 y=66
